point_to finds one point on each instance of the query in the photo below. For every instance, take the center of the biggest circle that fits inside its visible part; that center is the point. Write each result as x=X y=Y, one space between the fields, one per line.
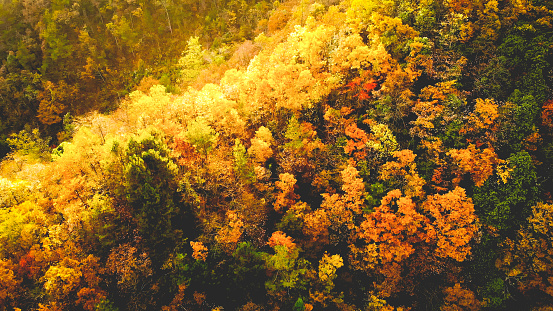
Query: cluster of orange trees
x=355 y=155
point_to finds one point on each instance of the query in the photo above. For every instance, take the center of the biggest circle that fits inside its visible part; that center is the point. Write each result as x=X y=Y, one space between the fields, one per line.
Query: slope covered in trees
x=354 y=155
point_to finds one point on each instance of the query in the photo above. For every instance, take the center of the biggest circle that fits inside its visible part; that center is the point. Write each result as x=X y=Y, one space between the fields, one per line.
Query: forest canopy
x=294 y=155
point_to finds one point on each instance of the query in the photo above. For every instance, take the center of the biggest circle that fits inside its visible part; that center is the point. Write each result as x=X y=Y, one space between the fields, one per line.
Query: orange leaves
x=177 y=300
x=459 y=298
x=394 y=226
x=199 y=251
x=230 y=234
x=479 y=163
x=260 y=147
x=445 y=224
x=430 y=107
x=389 y=235
x=280 y=238
x=337 y=212
x=316 y=226
x=547 y=114
x=357 y=142
x=485 y=113
x=440 y=92
x=453 y=225
x=361 y=89
x=286 y=196
x=482 y=119
x=354 y=189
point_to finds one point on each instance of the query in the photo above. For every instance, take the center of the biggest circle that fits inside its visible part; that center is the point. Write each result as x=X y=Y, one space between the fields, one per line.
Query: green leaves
x=504 y=204
x=192 y=61
x=30 y=143
x=201 y=135
x=150 y=189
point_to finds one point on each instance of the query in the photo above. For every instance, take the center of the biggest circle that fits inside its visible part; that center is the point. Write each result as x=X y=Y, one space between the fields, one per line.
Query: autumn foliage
x=287 y=155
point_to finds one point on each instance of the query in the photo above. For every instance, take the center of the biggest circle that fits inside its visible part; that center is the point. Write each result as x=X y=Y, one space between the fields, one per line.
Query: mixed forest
x=289 y=155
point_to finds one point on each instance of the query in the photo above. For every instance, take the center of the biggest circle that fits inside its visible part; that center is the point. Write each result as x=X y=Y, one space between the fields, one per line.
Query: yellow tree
x=528 y=258
x=403 y=173
x=260 y=147
x=328 y=265
x=229 y=235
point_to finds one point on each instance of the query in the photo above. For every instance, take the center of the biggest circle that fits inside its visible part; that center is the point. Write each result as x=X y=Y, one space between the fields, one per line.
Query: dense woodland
x=295 y=155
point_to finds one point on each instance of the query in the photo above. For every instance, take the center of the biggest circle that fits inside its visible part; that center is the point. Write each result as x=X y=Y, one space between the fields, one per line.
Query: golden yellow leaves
x=260 y=147
x=364 y=258
x=230 y=234
x=149 y=109
x=542 y=218
x=328 y=266
x=384 y=140
x=70 y=276
x=530 y=254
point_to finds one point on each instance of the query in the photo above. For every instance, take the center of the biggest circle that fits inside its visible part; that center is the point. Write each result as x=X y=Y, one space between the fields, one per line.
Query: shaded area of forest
x=335 y=155
x=74 y=57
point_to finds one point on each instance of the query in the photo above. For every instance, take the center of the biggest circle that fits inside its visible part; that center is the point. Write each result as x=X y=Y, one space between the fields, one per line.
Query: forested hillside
x=295 y=155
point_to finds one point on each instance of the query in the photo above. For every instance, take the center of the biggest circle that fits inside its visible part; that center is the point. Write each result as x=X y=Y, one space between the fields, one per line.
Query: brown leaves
x=547 y=114
x=55 y=100
x=9 y=283
x=130 y=267
x=459 y=298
